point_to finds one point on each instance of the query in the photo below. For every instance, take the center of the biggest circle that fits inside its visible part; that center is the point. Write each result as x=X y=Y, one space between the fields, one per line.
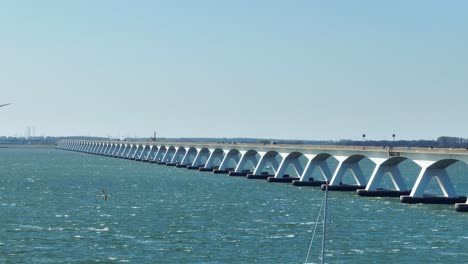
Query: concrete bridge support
x=126 y=151
x=151 y=154
x=229 y=162
x=188 y=158
x=160 y=154
x=143 y=153
x=461 y=207
x=214 y=160
x=122 y=150
x=101 y=149
x=247 y=163
x=290 y=160
x=104 y=147
x=178 y=156
x=200 y=160
x=97 y=150
x=83 y=146
x=91 y=147
x=119 y=148
x=131 y=152
x=344 y=164
x=137 y=152
x=268 y=163
x=316 y=162
x=433 y=170
x=107 y=149
x=168 y=156
x=386 y=167
x=86 y=147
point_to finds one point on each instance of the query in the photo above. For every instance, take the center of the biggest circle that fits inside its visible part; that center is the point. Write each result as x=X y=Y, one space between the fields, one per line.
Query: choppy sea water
x=51 y=211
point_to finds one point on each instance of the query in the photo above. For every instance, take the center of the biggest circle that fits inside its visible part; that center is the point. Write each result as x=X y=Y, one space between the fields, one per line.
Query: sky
x=320 y=70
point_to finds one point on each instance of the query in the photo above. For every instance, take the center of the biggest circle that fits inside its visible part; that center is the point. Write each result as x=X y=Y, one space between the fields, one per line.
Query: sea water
x=52 y=211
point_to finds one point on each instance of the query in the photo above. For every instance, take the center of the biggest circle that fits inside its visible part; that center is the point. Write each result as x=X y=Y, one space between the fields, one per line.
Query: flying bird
x=4 y=105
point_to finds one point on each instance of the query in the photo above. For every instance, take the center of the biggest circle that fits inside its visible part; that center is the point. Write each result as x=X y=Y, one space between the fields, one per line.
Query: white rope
x=315 y=229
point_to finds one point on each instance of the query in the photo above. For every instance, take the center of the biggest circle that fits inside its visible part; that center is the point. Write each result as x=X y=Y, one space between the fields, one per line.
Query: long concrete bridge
x=296 y=164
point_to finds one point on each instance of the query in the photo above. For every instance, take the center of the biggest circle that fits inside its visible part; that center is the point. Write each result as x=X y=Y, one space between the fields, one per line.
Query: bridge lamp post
x=363 y=140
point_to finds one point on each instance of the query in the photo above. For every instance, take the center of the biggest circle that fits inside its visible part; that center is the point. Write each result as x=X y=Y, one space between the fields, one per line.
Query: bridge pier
x=168 y=156
x=151 y=154
x=232 y=157
x=382 y=168
x=315 y=162
x=268 y=162
x=143 y=153
x=188 y=158
x=178 y=156
x=99 y=149
x=433 y=170
x=125 y=149
x=132 y=152
x=344 y=164
x=214 y=160
x=117 y=150
x=159 y=155
x=291 y=159
x=105 y=148
x=461 y=207
x=200 y=159
x=137 y=152
x=249 y=159
x=88 y=147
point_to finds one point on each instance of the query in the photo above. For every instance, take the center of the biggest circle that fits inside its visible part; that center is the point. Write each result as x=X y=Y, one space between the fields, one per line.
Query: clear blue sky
x=269 y=69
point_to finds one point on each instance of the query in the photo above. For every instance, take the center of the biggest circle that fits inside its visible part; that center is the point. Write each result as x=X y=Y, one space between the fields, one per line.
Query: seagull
x=4 y=105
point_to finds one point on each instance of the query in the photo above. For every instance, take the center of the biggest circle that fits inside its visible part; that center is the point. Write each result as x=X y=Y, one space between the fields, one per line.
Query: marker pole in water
x=104 y=195
x=324 y=222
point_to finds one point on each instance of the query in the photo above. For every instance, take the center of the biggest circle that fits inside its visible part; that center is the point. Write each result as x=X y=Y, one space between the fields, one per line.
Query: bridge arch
x=144 y=153
x=125 y=148
x=215 y=158
x=230 y=161
x=247 y=163
x=436 y=170
x=318 y=170
x=292 y=166
x=169 y=154
x=390 y=167
x=189 y=157
x=139 y=148
x=160 y=154
x=352 y=166
x=152 y=153
x=268 y=164
x=178 y=156
x=202 y=157
x=132 y=151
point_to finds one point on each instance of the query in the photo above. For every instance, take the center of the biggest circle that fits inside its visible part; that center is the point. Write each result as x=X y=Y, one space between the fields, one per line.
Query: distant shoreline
x=27 y=146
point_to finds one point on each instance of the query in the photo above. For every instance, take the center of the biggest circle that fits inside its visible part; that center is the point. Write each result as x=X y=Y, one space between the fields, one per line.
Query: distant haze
x=321 y=70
